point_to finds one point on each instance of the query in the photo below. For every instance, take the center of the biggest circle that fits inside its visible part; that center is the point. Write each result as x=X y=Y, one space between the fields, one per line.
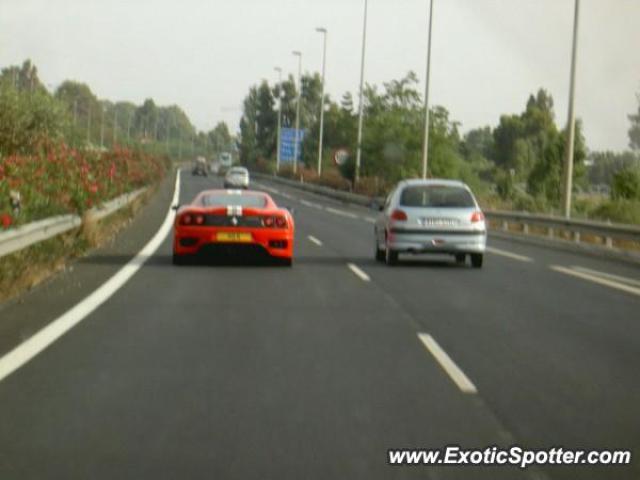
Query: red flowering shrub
x=60 y=179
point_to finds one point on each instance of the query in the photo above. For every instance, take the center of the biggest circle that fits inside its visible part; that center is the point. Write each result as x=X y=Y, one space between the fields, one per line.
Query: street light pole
x=324 y=58
x=279 y=70
x=297 y=136
x=425 y=144
x=361 y=106
x=571 y=121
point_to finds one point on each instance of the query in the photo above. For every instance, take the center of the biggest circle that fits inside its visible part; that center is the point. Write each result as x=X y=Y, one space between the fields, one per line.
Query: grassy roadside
x=29 y=267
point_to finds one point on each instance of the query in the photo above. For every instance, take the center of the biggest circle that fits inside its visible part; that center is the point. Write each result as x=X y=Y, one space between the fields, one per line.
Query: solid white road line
x=268 y=189
x=596 y=279
x=313 y=239
x=65 y=322
x=359 y=273
x=369 y=219
x=341 y=212
x=448 y=365
x=610 y=276
x=309 y=204
x=504 y=253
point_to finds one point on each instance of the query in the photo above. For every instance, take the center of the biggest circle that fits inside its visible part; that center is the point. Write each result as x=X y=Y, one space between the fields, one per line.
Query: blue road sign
x=287 y=144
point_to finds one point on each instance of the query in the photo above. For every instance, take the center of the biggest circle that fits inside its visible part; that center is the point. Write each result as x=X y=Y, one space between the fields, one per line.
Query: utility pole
x=324 y=57
x=571 y=121
x=361 y=106
x=168 y=134
x=297 y=136
x=115 y=125
x=102 y=129
x=425 y=143
x=279 y=70
x=89 y=125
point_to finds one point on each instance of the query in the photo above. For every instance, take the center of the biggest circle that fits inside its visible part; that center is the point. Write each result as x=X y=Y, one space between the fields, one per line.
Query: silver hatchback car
x=431 y=216
x=236 y=177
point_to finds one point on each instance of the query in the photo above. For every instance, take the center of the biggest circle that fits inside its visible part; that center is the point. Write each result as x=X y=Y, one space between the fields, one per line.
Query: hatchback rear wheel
x=379 y=252
x=391 y=256
x=476 y=260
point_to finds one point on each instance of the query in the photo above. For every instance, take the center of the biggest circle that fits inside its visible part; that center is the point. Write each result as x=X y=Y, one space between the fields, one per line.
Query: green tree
x=626 y=184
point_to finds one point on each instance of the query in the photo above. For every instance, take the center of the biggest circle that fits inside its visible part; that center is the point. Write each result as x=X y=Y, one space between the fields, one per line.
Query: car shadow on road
x=166 y=260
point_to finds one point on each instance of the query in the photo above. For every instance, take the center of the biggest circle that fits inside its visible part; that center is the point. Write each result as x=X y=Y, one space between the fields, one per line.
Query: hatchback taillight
x=398 y=215
x=477 y=217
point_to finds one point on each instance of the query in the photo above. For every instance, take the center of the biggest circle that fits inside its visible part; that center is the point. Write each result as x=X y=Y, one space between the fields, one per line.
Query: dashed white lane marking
x=27 y=350
x=610 y=276
x=597 y=279
x=504 y=253
x=286 y=195
x=312 y=205
x=359 y=273
x=341 y=212
x=313 y=239
x=448 y=365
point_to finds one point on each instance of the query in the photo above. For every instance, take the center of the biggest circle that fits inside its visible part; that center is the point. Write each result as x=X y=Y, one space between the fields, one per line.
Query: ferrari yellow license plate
x=232 y=237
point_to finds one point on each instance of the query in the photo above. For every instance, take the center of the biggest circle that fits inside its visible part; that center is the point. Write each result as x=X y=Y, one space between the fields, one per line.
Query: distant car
x=219 y=221
x=200 y=167
x=431 y=216
x=236 y=177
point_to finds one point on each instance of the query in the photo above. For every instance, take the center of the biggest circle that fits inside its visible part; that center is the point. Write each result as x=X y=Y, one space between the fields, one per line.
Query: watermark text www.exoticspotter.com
x=511 y=456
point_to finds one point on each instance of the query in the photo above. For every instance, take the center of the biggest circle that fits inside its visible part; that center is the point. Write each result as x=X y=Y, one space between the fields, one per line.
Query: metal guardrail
x=584 y=233
x=341 y=195
x=24 y=236
x=610 y=234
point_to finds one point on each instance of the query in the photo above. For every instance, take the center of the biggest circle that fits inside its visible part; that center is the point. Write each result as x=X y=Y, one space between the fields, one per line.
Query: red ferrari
x=231 y=221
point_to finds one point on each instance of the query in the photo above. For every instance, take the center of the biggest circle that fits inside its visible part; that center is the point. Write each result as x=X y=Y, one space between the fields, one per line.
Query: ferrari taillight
x=267 y=221
x=186 y=219
x=281 y=222
x=199 y=219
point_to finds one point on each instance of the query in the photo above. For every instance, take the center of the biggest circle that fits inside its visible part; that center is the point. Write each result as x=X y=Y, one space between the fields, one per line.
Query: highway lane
x=554 y=356
x=241 y=372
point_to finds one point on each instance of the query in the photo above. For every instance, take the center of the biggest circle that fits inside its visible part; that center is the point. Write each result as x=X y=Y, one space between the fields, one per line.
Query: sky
x=488 y=56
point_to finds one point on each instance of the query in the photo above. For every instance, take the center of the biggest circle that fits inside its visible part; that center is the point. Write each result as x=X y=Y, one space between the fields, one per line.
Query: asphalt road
x=250 y=371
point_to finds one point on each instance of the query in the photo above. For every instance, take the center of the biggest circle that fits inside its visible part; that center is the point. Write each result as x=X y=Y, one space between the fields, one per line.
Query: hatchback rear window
x=223 y=200
x=438 y=196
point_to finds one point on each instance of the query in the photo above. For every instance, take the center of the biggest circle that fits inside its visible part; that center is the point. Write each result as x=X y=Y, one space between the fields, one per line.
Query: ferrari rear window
x=437 y=196
x=241 y=200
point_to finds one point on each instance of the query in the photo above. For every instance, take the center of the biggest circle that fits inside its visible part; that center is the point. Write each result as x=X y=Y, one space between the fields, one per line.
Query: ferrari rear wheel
x=285 y=262
x=179 y=259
